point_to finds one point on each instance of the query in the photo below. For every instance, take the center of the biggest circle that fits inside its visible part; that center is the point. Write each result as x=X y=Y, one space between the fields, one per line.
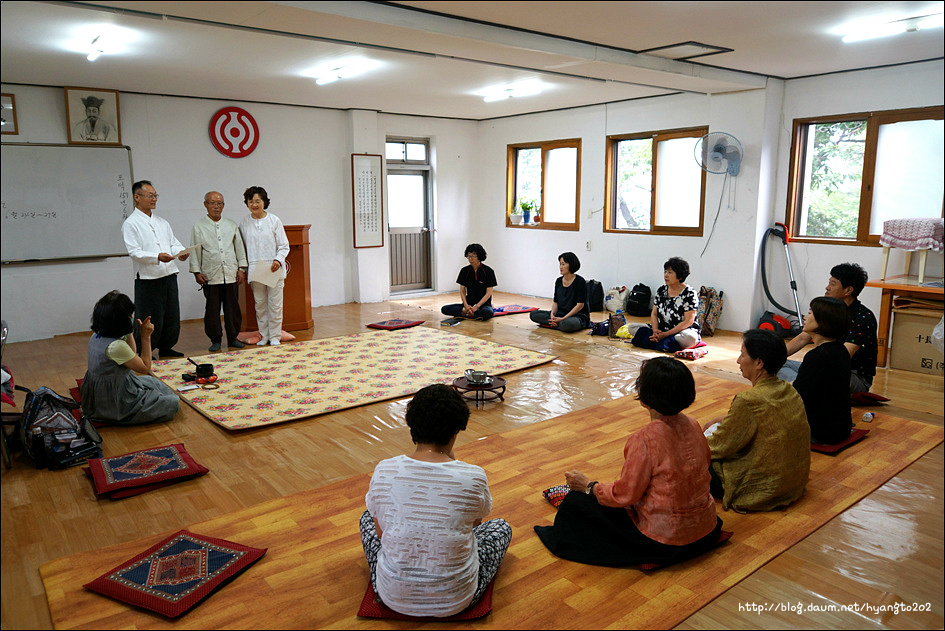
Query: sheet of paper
x=263 y=273
x=192 y=249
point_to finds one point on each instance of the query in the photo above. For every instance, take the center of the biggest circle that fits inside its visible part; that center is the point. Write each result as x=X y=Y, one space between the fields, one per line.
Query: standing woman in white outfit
x=266 y=244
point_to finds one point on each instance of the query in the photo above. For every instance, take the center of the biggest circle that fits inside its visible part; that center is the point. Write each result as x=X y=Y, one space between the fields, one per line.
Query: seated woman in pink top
x=659 y=510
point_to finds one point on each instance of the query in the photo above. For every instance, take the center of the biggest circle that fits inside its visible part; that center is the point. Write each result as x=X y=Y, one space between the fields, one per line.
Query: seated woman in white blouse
x=266 y=244
x=429 y=552
x=673 y=323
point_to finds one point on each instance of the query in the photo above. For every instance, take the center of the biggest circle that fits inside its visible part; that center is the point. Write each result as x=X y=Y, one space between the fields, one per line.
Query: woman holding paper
x=266 y=249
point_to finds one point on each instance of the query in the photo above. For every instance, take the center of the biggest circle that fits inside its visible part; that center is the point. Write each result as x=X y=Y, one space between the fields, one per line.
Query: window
x=409 y=200
x=543 y=185
x=406 y=151
x=851 y=173
x=654 y=184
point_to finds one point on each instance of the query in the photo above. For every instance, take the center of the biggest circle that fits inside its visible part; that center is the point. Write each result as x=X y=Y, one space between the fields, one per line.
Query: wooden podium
x=297 y=312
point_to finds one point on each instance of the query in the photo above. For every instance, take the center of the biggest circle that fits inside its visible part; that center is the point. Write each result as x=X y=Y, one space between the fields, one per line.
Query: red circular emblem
x=233 y=131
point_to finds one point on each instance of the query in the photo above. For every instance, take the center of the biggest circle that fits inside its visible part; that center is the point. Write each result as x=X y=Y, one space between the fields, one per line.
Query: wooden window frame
x=798 y=157
x=511 y=163
x=610 y=188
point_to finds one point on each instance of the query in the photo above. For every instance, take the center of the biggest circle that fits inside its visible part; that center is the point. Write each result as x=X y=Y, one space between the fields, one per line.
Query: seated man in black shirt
x=846 y=282
x=476 y=281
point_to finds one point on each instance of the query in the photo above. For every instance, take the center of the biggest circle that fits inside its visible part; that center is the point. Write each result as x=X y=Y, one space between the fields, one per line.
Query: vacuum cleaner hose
x=764 y=273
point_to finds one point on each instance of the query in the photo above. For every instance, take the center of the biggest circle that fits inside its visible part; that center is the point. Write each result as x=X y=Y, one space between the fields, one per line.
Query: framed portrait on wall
x=92 y=116
x=8 y=102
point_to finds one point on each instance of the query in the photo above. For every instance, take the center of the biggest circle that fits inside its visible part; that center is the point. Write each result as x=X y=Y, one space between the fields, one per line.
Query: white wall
x=916 y=85
x=454 y=151
x=525 y=260
x=303 y=161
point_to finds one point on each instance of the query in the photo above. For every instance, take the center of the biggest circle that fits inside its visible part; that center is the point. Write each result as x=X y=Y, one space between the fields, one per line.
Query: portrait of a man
x=93 y=116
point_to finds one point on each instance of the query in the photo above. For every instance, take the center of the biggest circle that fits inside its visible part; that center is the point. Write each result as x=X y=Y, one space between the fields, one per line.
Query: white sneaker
x=262 y=342
x=273 y=342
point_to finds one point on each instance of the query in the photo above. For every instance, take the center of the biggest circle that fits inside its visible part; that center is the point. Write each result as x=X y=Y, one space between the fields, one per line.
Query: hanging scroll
x=367 y=194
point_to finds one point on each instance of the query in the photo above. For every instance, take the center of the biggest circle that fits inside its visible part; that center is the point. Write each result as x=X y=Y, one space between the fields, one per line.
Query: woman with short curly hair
x=429 y=552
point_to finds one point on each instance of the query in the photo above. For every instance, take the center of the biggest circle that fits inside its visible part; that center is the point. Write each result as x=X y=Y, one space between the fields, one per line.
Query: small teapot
x=477 y=377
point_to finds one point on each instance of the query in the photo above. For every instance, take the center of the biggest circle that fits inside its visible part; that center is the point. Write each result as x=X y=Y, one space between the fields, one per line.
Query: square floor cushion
x=145 y=468
x=867 y=398
x=855 y=436
x=511 y=309
x=251 y=337
x=372 y=607
x=176 y=573
x=390 y=325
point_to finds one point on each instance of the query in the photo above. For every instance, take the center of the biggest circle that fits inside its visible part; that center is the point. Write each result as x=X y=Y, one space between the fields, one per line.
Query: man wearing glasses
x=219 y=266
x=152 y=246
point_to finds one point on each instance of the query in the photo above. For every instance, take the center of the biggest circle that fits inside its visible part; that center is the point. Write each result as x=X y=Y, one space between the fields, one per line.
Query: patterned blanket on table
x=275 y=384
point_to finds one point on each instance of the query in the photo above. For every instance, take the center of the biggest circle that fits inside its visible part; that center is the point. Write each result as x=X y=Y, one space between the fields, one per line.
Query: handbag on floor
x=52 y=434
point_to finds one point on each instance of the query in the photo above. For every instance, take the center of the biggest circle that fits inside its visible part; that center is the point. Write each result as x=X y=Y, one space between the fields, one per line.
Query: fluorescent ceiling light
x=342 y=69
x=520 y=89
x=875 y=31
x=94 y=40
x=872 y=30
x=95 y=50
x=932 y=21
x=327 y=78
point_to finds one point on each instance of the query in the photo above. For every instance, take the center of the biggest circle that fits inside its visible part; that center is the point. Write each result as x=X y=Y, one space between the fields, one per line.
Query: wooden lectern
x=297 y=312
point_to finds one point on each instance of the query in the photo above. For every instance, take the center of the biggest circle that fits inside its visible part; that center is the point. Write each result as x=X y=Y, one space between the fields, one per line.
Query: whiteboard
x=63 y=201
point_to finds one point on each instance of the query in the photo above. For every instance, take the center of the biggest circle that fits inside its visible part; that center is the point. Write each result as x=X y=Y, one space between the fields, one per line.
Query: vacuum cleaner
x=772 y=321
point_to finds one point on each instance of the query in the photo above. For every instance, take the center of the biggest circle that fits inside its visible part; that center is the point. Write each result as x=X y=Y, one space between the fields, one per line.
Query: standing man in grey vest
x=219 y=267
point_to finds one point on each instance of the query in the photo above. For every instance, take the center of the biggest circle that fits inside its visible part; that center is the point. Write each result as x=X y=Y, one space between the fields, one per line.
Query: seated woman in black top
x=569 y=311
x=823 y=380
x=476 y=281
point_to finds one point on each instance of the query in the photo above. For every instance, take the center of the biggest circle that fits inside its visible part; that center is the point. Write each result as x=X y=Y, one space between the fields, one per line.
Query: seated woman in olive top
x=761 y=449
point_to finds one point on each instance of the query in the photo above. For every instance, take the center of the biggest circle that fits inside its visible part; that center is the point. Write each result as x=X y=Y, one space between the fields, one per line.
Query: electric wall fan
x=718 y=152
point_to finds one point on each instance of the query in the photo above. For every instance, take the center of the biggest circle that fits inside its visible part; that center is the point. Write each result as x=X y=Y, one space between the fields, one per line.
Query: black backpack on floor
x=595 y=295
x=638 y=301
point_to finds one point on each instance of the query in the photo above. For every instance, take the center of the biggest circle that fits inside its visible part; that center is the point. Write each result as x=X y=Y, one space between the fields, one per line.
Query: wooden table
x=494 y=391
x=901 y=285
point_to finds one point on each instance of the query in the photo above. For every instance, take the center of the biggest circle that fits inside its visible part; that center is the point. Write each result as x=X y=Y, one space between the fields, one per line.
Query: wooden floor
x=886 y=549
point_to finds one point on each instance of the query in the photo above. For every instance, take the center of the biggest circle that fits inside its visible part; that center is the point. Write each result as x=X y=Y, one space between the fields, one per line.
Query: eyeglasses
x=147 y=195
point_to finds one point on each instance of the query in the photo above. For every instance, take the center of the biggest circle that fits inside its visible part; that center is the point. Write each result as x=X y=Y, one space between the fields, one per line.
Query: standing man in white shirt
x=219 y=266
x=152 y=246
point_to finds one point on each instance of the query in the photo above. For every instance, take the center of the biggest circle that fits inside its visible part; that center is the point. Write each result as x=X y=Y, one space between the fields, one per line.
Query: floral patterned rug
x=275 y=384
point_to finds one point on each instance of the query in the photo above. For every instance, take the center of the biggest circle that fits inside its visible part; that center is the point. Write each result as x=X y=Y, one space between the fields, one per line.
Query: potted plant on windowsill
x=528 y=208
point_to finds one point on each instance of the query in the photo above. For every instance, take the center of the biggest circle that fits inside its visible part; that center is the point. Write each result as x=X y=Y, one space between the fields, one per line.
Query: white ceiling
x=430 y=63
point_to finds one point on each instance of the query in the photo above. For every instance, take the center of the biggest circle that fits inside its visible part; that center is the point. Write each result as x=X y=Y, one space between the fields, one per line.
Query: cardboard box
x=911 y=347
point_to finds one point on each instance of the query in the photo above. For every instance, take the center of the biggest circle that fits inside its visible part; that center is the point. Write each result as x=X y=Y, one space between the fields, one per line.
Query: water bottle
x=868 y=417
x=620 y=315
